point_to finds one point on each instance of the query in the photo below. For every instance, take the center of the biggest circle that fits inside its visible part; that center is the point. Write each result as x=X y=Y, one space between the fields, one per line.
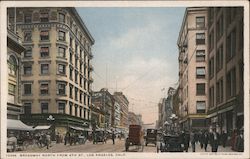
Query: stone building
x=225 y=71
x=56 y=70
x=192 y=44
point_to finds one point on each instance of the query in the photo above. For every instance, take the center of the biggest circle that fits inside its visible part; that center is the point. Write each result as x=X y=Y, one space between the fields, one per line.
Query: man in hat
x=214 y=140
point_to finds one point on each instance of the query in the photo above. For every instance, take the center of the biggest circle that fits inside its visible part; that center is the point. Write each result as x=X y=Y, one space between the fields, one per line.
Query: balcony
x=91 y=68
x=91 y=55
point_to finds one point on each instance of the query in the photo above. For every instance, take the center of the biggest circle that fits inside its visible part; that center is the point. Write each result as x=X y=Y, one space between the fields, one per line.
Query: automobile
x=135 y=137
x=151 y=136
x=99 y=136
x=170 y=143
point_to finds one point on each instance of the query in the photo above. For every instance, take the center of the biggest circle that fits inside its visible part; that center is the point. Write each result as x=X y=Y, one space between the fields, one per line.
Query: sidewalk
x=220 y=148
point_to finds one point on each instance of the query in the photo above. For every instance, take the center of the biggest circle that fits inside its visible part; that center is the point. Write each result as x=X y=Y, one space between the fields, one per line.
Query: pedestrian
x=214 y=140
x=186 y=139
x=240 y=141
x=48 y=140
x=66 y=138
x=192 y=139
x=201 y=138
x=223 y=138
x=113 y=137
x=233 y=139
x=206 y=139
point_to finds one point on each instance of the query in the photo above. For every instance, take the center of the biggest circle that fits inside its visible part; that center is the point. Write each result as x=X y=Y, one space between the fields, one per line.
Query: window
x=27 y=69
x=211 y=68
x=84 y=113
x=44 y=35
x=200 y=38
x=200 y=55
x=44 y=68
x=44 y=107
x=27 y=18
x=219 y=91
x=80 y=96
x=84 y=84
x=70 y=42
x=12 y=65
x=44 y=17
x=76 y=62
x=27 y=108
x=81 y=112
x=219 y=26
x=44 y=52
x=70 y=108
x=71 y=91
x=76 y=48
x=76 y=107
x=231 y=83
x=61 y=35
x=200 y=88
x=219 y=58
x=76 y=94
x=80 y=80
x=70 y=58
x=200 y=106
x=11 y=88
x=61 y=18
x=61 y=108
x=211 y=16
x=231 y=45
x=211 y=96
x=211 y=40
x=200 y=72
x=76 y=77
x=28 y=36
x=61 y=89
x=44 y=88
x=200 y=22
x=61 y=52
x=27 y=89
x=71 y=73
x=61 y=69
x=28 y=52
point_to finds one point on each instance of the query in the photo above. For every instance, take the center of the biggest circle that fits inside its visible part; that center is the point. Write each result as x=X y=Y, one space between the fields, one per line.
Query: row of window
x=200 y=107
x=60 y=90
x=220 y=86
x=61 y=109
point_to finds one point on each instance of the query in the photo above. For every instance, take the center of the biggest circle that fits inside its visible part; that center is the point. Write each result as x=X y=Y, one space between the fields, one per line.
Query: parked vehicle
x=151 y=136
x=135 y=137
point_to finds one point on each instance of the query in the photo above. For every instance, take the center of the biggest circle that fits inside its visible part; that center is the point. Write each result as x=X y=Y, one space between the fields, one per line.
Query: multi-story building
x=14 y=50
x=55 y=69
x=124 y=104
x=192 y=44
x=117 y=114
x=161 y=111
x=105 y=101
x=225 y=75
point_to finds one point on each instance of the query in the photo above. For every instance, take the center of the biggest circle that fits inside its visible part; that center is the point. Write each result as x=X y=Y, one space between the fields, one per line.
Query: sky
x=135 y=52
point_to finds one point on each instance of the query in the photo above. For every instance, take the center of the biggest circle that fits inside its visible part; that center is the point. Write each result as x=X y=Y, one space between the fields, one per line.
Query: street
x=107 y=147
x=119 y=146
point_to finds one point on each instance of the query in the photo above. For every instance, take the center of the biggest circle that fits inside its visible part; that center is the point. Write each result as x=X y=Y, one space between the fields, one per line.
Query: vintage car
x=151 y=136
x=170 y=143
x=99 y=136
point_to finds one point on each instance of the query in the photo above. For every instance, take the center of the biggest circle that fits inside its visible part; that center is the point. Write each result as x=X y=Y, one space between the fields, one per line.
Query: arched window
x=12 y=65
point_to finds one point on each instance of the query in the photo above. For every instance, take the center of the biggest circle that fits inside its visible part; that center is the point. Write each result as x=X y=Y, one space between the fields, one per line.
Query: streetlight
x=50 y=119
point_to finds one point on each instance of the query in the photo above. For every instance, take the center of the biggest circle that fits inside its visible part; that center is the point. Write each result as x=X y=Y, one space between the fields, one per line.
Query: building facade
x=14 y=50
x=225 y=57
x=124 y=104
x=56 y=67
x=192 y=44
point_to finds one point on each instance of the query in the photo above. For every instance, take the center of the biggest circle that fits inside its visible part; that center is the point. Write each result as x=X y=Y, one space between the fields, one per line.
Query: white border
x=3 y=66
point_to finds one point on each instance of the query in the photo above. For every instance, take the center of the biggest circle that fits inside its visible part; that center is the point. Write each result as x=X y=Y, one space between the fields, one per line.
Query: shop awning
x=42 y=127
x=17 y=125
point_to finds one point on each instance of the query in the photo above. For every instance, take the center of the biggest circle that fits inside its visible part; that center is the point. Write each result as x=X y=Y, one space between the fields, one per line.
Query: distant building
x=124 y=104
x=133 y=119
x=193 y=55
x=225 y=71
x=56 y=70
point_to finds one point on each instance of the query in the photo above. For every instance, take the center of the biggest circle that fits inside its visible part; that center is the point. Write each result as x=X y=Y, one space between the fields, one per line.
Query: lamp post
x=50 y=119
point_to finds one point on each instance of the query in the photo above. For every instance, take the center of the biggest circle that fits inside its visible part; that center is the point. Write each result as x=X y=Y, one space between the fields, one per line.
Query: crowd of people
x=204 y=138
